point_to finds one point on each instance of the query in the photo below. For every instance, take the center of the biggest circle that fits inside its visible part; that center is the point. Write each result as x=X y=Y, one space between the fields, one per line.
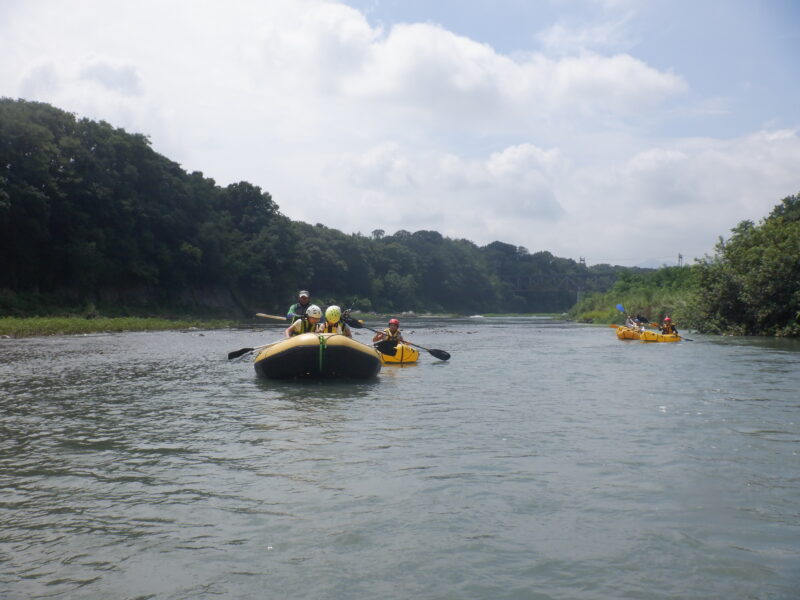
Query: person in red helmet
x=391 y=333
x=668 y=326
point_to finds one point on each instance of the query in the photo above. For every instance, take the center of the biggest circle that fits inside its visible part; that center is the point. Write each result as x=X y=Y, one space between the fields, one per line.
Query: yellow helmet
x=333 y=314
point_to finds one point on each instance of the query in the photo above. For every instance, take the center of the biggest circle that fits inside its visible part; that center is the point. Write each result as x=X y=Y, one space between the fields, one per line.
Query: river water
x=545 y=460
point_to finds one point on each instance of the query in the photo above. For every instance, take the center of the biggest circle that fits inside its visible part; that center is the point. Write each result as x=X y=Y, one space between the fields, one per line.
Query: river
x=545 y=460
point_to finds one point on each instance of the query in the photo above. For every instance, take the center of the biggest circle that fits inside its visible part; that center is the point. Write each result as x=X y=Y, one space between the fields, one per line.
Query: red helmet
x=667 y=319
x=394 y=322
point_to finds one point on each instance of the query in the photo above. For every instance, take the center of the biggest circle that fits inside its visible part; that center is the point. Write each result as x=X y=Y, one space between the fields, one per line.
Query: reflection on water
x=544 y=460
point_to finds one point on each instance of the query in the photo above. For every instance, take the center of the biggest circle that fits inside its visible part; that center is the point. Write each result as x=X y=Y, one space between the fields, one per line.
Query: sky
x=617 y=131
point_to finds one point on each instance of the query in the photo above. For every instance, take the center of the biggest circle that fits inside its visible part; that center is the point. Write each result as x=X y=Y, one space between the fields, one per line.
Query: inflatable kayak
x=628 y=333
x=656 y=336
x=402 y=354
x=318 y=356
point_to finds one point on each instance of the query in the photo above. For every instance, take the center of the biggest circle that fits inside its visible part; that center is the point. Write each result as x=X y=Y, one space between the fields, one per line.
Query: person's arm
x=291 y=312
x=288 y=332
x=378 y=337
x=346 y=330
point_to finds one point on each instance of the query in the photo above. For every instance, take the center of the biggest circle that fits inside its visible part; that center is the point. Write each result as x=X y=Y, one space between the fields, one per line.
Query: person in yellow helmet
x=307 y=324
x=333 y=322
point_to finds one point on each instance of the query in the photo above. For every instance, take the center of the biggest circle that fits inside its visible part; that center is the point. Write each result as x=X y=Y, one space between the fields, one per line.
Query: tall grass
x=38 y=326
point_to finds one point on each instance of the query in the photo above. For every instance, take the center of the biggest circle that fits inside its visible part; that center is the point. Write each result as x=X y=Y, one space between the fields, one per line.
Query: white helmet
x=333 y=314
x=314 y=311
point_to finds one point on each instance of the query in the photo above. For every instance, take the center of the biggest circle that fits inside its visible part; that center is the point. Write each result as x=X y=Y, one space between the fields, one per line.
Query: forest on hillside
x=91 y=215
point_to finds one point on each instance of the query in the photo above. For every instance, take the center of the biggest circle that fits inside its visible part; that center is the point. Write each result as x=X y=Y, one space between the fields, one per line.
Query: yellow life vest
x=392 y=337
x=305 y=327
x=330 y=327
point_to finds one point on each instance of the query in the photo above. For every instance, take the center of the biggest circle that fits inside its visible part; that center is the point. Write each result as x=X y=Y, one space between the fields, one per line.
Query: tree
x=752 y=284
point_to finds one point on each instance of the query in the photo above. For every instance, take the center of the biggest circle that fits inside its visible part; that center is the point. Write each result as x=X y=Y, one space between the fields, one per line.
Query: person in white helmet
x=333 y=322
x=307 y=324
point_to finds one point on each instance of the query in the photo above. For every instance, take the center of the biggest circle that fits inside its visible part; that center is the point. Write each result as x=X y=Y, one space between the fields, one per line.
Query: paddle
x=270 y=316
x=440 y=354
x=243 y=351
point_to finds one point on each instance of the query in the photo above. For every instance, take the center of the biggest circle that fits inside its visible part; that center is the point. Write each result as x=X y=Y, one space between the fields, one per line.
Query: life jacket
x=668 y=328
x=392 y=337
x=326 y=327
x=305 y=327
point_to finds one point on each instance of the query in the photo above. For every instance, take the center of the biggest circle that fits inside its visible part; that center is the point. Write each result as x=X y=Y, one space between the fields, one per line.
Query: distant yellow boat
x=645 y=335
x=627 y=333
x=657 y=336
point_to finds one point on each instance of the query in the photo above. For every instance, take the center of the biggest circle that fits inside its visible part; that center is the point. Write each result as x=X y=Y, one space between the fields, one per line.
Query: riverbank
x=20 y=327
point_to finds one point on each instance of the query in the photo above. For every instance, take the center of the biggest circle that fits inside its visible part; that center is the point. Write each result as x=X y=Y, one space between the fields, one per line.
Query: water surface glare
x=545 y=460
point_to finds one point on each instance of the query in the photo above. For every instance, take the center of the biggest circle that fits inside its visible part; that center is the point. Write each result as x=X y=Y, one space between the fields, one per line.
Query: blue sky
x=744 y=55
x=614 y=130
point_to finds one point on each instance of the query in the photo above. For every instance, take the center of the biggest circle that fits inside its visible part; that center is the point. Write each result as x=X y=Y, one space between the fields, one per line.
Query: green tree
x=752 y=284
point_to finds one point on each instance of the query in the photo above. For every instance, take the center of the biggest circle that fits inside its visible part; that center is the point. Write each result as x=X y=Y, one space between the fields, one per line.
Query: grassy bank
x=16 y=327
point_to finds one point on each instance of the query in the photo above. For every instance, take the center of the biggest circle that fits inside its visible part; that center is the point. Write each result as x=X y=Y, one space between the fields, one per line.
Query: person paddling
x=306 y=324
x=299 y=308
x=333 y=322
x=668 y=326
x=391 y=333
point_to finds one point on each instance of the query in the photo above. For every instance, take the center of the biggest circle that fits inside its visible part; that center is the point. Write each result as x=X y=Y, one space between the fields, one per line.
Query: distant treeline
x=751 y=286
x=90 y=215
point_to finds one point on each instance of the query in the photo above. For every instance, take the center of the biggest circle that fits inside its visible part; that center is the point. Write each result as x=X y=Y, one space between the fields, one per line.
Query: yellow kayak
x=403 y=355
x=627 y=333
x=657 y=336
x=318 y=356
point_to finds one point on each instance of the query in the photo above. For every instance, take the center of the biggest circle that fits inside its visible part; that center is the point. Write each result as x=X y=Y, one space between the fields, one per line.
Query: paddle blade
x=620 y=308
x=265 y=316
x=386 y=347
x=440 y=354
x=238 y=353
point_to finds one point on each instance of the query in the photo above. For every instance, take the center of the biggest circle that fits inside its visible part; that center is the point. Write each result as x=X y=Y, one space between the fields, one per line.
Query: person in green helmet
x=333 y=322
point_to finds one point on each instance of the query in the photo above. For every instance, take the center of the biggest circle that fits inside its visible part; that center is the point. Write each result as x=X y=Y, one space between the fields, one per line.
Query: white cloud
x=408 y=127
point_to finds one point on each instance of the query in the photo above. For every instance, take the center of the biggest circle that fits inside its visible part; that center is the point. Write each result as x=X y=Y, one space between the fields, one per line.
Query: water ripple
x=557 y=466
